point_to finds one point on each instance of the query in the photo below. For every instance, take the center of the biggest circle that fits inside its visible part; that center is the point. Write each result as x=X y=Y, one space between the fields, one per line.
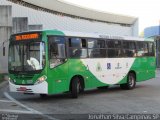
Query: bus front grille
x=24 y=77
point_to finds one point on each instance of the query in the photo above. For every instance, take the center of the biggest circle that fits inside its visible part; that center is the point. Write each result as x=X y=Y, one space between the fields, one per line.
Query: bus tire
x=81 y=89
x=75 y=87
x=131 y=82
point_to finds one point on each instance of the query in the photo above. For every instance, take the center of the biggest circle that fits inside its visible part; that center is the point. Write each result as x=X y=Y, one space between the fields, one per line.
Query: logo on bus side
x=108 y=66
x=118 y=66
x=127 y=65
x=98 y=67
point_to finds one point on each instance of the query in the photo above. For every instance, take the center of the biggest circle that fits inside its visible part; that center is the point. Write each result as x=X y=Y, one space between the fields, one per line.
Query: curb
x=4 y=83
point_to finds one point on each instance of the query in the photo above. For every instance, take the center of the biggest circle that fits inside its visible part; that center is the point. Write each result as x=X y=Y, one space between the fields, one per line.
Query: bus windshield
x=26 y=56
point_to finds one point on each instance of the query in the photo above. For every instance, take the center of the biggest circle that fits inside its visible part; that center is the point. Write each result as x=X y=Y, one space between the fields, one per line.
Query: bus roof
x=98 y=35
x=90 y=35
x=103 y=36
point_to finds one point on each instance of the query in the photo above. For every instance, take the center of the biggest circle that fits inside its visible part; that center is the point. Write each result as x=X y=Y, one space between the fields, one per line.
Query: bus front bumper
x=41 y=88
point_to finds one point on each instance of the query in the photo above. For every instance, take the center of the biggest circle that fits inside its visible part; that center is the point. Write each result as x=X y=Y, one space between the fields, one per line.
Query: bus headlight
x=41 y=79
x=12 y=81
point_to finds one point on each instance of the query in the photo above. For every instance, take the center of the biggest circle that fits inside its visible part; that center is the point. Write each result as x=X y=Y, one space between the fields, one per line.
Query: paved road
x=145 y=98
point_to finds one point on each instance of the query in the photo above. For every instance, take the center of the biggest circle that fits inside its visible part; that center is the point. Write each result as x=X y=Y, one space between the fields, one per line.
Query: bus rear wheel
x=75 y=87
x=131 y=82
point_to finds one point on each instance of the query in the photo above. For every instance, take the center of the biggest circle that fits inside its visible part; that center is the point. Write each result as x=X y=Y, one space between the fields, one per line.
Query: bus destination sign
x=27 y=36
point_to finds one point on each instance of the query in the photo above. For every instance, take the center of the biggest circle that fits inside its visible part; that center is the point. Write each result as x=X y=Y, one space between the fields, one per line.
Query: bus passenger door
x=151 y=60
x=58 y=66
x=143 y=60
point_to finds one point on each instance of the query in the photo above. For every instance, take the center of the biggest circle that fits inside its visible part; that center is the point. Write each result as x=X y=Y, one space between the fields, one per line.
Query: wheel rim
x=131 y=81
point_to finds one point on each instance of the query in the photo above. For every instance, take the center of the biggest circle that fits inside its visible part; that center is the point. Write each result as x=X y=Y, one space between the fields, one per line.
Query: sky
x=146 y=10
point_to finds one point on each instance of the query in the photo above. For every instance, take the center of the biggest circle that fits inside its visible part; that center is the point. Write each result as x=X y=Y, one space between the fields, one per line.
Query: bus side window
x=110 y=48
x=145 y=49
x=129 y=49
x=57 y=52
x=139 y=49
x=77 y=48
x=142 y=49
x=151 y=49
x=96 y=48
x=114 y=48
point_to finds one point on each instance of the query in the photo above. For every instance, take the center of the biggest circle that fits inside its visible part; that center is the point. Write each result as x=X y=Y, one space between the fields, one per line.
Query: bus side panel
x=151 y=67
x=76 y=67
x=57 y=78
x=144 y=68
x=124 y=80
x=140 y=67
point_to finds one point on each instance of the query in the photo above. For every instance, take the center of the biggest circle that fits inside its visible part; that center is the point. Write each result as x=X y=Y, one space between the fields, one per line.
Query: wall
x=5 y=31
x=152 y=31
x=20 y=24
x=35 y=27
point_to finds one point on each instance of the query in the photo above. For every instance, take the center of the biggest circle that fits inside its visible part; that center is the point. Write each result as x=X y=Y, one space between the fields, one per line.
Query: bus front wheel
x=131 y=82
x=75 y=87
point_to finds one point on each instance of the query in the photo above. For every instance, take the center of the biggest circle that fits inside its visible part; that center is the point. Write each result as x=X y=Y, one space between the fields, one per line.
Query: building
x=154 y=31
x=22 y=15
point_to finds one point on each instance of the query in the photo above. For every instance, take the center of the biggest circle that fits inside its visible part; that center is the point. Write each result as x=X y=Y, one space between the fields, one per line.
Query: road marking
x=28 y=108
x=15 y=111
x=5 y=101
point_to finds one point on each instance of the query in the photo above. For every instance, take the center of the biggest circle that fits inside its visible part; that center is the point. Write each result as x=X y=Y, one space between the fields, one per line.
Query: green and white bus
x=52 y=61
